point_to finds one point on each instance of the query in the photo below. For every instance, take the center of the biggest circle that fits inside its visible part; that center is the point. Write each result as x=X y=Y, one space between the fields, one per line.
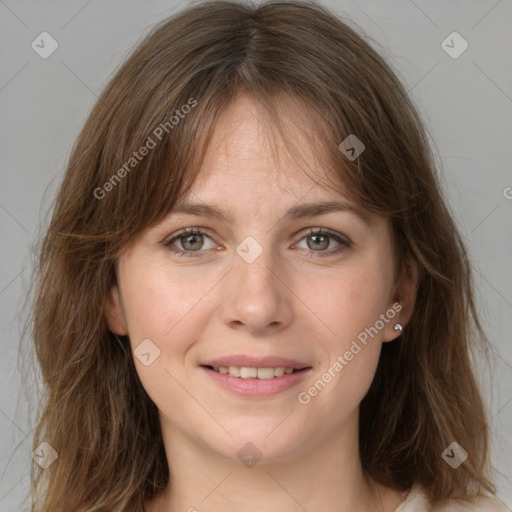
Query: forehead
x=248 y=153
x=250 y=170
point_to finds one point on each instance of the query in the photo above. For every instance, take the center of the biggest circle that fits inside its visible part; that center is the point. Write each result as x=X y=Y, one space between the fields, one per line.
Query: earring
x=398 y=327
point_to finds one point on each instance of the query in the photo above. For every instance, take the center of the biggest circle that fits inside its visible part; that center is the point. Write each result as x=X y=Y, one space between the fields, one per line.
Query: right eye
x=191 y=241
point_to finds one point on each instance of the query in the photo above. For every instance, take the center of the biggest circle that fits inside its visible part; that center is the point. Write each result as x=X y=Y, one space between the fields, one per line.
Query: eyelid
x=188 y=230
x=334 y=234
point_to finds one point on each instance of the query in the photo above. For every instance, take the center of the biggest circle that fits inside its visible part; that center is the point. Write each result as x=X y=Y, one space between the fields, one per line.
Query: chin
x=259 y=445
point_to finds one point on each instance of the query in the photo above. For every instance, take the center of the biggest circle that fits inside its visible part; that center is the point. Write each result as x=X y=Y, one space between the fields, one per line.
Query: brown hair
x=96 y=414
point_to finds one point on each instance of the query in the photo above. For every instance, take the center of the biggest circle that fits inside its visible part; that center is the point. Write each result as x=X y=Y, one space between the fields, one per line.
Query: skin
x=217 y=304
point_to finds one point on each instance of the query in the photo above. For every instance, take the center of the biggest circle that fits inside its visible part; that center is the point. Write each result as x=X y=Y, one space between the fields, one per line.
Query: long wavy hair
x=94 y=411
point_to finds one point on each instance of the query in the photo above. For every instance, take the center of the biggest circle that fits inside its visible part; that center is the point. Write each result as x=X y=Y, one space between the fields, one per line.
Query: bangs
x=148 y=134
x=165 y=152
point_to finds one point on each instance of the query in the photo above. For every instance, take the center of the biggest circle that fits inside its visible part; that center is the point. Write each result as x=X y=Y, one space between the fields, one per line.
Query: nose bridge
x=255 y=267
x=258 y=298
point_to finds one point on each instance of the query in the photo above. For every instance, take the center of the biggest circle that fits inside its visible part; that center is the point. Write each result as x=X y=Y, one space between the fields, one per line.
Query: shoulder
x=416 y=501
x=479 y=504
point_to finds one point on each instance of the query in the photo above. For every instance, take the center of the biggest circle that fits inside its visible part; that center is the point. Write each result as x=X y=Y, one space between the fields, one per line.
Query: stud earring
x=398 y=327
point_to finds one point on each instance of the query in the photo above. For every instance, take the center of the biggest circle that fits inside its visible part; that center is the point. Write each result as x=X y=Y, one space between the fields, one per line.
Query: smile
x=253 y=382
x=245 y=372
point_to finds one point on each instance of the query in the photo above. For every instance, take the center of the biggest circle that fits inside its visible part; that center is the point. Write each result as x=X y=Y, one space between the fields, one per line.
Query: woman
x=252 y=294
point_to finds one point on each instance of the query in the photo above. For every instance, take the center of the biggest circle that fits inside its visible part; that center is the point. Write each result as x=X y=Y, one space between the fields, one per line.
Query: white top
x=416 y=501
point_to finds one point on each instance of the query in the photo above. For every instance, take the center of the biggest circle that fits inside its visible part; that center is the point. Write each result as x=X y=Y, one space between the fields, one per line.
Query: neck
x=329 y=478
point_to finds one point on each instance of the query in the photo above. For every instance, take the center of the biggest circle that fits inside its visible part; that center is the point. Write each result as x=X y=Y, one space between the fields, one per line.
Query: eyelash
x=344 y=244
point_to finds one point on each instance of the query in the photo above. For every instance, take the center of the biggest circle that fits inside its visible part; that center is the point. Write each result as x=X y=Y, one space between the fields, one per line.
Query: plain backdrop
x=466 y=103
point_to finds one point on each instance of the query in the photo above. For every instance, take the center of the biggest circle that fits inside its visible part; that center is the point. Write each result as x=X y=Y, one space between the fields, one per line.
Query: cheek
x=353 y=341
x=160 y=304
x=350 y=312
x=171 y=307
x=170 y=312
x=353 y=299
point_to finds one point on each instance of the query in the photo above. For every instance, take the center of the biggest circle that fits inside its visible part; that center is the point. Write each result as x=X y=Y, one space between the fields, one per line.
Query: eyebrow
x=301 y=211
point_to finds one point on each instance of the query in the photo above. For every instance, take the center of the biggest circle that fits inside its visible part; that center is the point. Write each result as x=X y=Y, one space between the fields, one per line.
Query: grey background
x=466 y=103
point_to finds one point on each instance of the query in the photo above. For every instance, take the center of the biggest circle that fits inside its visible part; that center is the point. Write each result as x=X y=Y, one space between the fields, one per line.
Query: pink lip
x=256 y=388
x=255 y=362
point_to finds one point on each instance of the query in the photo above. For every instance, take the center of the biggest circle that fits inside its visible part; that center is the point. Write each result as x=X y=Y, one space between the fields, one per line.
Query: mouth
x=256 y=382
x=248 y=372
x=255 y=376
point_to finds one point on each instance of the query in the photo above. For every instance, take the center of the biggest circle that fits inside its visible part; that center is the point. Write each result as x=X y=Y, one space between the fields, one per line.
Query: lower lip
x=256 y=388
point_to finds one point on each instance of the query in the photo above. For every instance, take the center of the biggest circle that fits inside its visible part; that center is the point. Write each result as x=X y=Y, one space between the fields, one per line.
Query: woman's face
x=258 y=288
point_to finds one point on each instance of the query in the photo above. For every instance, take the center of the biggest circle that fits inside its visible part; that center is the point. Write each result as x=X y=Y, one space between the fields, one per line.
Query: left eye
x=192 y=241
x=319 y=240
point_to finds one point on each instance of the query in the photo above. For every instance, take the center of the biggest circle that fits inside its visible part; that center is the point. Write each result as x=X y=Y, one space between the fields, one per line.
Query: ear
x=405 y=294
x=115 y=312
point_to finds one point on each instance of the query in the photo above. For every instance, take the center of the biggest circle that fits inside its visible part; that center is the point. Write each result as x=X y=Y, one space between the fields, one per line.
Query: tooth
x=265 y=373
x=247 y=373
x=234 y=371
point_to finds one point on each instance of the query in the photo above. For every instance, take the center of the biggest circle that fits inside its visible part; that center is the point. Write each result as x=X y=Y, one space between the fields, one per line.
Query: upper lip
x=255 y=362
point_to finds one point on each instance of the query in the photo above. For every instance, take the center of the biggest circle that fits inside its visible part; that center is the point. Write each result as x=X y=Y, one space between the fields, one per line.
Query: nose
x=257 y=298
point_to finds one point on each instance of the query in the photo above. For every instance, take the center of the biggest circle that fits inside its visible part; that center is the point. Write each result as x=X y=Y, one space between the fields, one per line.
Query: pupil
x=322 y=239
x=189 y=238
